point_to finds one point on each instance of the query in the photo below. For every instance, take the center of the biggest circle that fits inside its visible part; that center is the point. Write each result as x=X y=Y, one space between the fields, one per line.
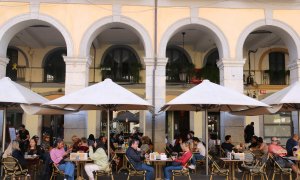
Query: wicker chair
x=105 y=173
x=216 y=170
x=56 y=172
x=183 y=172
x=259 y=169
x=133 y=171
x=279 y=170
x=13 y=169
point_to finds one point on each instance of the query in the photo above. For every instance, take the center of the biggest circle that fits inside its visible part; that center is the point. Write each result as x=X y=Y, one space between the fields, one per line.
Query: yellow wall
x=10 y=10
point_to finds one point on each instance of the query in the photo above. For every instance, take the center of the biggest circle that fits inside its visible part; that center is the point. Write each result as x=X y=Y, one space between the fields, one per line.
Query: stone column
x=294 y=68
x=231 y=76
x=3 y=63
x=160 y=96
x=77 y=76
x=33 y=124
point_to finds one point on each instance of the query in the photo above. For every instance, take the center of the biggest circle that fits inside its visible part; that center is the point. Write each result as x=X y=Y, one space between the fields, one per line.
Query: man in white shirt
x=198 y=152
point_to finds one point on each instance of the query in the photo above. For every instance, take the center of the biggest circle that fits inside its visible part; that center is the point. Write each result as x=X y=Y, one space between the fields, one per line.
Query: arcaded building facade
x=156 y=49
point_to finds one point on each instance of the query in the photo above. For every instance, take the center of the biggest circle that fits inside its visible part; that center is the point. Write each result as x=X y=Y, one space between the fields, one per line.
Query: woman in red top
x=180 y=162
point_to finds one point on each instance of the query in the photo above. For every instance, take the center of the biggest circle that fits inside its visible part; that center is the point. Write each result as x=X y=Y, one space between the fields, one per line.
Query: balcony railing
x=262 y=77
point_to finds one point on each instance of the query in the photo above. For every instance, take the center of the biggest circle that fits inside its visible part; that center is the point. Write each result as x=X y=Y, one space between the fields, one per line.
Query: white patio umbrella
x=105 y=95
x=210 y=96
x=13 y=94
x=287 y=99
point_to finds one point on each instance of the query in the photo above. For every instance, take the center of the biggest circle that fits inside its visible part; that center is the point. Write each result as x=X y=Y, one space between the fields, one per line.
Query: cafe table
x=122 y=152
x=80 y=166
x=232 y=164
x=159 y=163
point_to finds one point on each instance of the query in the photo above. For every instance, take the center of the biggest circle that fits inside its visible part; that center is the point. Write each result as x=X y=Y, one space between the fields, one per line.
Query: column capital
x=160 y=61
x=77 y=60
x=230 y=63
x=4 y=61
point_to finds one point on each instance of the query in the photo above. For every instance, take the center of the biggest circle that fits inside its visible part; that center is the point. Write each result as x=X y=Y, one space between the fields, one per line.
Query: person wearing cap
x=280 y=152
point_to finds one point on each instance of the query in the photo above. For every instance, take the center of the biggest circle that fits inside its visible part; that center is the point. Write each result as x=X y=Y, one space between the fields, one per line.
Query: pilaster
x=294 y=68
x=160 y=98
x=3 y=63
x=231 y=76
x=77 y=76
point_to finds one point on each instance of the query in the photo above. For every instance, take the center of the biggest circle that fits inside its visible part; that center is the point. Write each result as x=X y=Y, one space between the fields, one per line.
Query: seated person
x=76 y=141
x=58 y=154
x=197 y=147
x=34 y=149
x=240 y=147
x=83 y=146
x=253 y=144
x=227 y=146
x=45 y=145
x=291 y=143
x=278 y=153
x=17 y=153
x=180 y=162
x=134 y=156
x=100 y=160
x=261 y=146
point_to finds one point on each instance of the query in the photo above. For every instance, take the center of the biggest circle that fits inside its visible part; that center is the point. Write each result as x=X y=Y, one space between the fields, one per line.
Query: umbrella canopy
x=129 y=116
x=287 y=99
x=105 y=95
x=101 y=96
x=210 y=96
x=13 y=94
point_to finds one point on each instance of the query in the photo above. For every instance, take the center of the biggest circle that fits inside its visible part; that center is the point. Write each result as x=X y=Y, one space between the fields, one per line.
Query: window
x=121 y=64
x=11 y=68
x=279 y=125
x=55 y=67
x=210 y=69
x=277 y=68
x=179 y=68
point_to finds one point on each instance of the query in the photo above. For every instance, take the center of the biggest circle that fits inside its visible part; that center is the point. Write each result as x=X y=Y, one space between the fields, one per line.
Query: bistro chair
x=183 y=172
x=13 y=169
x=280 y=170
x=259 y=169
x=56 y=172
x=106 y=173
x=217 y=170
x=133 y=172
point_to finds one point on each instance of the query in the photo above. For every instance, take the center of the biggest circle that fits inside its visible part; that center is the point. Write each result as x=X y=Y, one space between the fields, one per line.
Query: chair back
x=276 y=165
x=214 y=165
x=11 y=165
x=249 y=158
x=130 y=164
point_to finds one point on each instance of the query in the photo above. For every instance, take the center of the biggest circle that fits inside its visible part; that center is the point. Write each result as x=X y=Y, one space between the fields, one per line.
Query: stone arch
x=120 y=46
x=209 y=52
x=9 y=29
x=290 y=37
x=49 y=53
x=185 y=52
x=96 y=28
x=219 y=37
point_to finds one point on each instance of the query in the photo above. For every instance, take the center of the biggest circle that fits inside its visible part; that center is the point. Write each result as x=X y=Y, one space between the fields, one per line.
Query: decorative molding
x=4 y=61
x=77 y=60
x=194 y=10
x=269 y=16
x=116 y=10
x=34 y=8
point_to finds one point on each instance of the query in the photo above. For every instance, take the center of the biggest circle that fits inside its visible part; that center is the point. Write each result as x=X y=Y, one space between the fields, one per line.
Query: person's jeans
x=68 y=169
x=196 y=156
x=168 y=169
x=149 y=169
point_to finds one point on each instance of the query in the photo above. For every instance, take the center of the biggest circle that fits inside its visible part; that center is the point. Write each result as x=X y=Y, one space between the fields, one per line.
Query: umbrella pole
x=4 y=130
x=108 y=134
x=206 y=141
